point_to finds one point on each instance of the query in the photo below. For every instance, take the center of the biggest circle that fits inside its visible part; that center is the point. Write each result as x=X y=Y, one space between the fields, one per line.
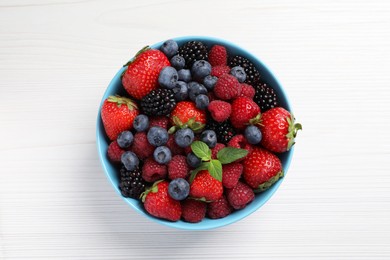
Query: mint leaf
x=201 y=150
x=203 y=166
x=215 y=169
x=231 y=154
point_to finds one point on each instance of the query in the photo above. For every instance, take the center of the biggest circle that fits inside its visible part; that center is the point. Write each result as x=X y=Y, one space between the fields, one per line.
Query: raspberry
x=240 y=196
x=193 y=211
x=247 y=91
x=218 y=71
x=172 y=145
x=227 y=87
x=216 y=149
x=218 y=55
x=153 y=171
x=178 y=167
x=141 y=146
x=219 y=110
x=239 y=141
x=219 y=208
x=231 y=173
x=161 y=121
x=114 y=152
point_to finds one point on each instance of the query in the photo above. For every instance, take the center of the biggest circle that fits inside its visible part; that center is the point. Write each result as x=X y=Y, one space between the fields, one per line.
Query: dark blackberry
x=193 y=51
x=252 y=74
x=159 y=102
x=265 y=97
x=224 y=130
x=131 y=183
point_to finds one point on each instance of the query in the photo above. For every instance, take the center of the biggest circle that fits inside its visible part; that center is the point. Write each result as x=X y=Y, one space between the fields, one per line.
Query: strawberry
x=278 y=129
x=186 y=114
x=158 y=203
x=262 y=169
x=142 y=72
x=118 y=114
x=218 y=55
x=244 y=112
x=205 y=187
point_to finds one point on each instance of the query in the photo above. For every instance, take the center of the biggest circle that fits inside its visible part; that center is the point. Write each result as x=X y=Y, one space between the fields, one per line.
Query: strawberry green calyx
x=153 y=189
x=266 y=185
x=256 y=120
x=137 y=54
x=123 y=101
x=293 y=129
x=191 y=123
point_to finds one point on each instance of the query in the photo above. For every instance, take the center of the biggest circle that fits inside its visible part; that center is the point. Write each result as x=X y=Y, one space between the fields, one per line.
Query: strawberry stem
x=293 y=129
x=266 y=185
x=123 y=101
x=136 y=55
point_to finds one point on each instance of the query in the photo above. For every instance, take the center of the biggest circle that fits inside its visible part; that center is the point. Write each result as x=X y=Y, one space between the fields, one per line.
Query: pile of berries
x=197 y=134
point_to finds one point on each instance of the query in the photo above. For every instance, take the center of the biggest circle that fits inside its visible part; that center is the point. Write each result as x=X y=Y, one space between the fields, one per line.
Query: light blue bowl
x=115 y=87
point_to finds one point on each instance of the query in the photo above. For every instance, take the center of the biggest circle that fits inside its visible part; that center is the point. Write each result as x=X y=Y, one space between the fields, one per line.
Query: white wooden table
x=56 y=59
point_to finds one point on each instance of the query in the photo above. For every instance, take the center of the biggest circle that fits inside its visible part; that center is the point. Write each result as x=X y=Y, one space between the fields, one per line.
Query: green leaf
x=201 y=150
x=203 y=166
x=231 y=154
x=215 y=169
x=176 y=121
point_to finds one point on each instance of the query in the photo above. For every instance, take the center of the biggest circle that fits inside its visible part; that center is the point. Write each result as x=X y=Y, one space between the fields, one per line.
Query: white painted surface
x=56 y=59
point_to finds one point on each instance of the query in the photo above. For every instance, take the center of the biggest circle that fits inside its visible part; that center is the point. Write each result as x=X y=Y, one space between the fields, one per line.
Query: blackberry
x=224 y=130
x=159 y=102
x=252 y=74
x=193 y=51
x=131 y=183
x=265 y=97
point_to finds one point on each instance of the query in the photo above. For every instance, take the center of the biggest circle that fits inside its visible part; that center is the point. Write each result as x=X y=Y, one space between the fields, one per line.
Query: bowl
x=115 y=87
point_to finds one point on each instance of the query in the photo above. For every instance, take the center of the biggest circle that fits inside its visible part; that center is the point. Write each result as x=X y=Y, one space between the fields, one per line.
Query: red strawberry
x=227 y=87
x=153 y=171
x=219 y=110
x=244 y=112
x=193 y=211
x=247 y=91
x=218 y=55
x=219 y=208
x=178 y=167
x=240 y=196
x=142 y=73
x=261 y=169
x=186 y=112
x=215 y=150
x=231 y=173
x=141 y=147
x=205 y=186
x=218 y=71
x=158 y=203
x=278 y=129
x=114 y=152
x=118 y=114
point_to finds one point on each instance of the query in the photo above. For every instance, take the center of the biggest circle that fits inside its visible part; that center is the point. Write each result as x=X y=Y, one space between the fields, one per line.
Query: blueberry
x=193 y=161
x=202 y=101
x=239 y=73
x=129 y=160
x=194 y=89
x=141 y=123
x=168 y=77
x=180 y=91
x=125 y=139
x=184 y=137
x=184 y=75
x=200 y=69
x=210 y=81
x=178 y=62
x=179 y=189
x=162 y=155
x=169 y=48
x=157 y=136
x=209 y=137
x=253 y=134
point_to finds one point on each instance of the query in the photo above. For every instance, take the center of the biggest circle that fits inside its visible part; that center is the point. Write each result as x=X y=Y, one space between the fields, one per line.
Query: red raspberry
x=219 y=208
x=227 y=87
x=114 y=152
x=239 y=141
x=178 y=167
x=231 y=173
x=218 y=55
x=141 y=147
x=215 y=150
x=240 y=196
x=161 y=121
x=172 y=145
x=247 y=91
x=193 y=210
x=219 y=110
x=218 y=71
x=153 y=171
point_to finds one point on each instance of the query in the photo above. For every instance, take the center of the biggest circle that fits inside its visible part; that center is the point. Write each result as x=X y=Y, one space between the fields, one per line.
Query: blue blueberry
x=162 y=155
x=125 y=139
x=253 y=134
x=180 y=91
x=169 y=48
x=202 y=101
x=157 y=136
x=184 y=75
x=195 y=89
x=210 y=81
x=178 y=62
x=239 y=73
x=209 y=137
x=184 y=137
x=179 y=189
x=168 y=77
x=200 y=69
x=193 y=160
x=141 y=123
x=129 y=160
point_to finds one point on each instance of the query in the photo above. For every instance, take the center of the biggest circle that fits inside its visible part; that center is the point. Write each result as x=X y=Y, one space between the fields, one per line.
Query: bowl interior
x=116 y=87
